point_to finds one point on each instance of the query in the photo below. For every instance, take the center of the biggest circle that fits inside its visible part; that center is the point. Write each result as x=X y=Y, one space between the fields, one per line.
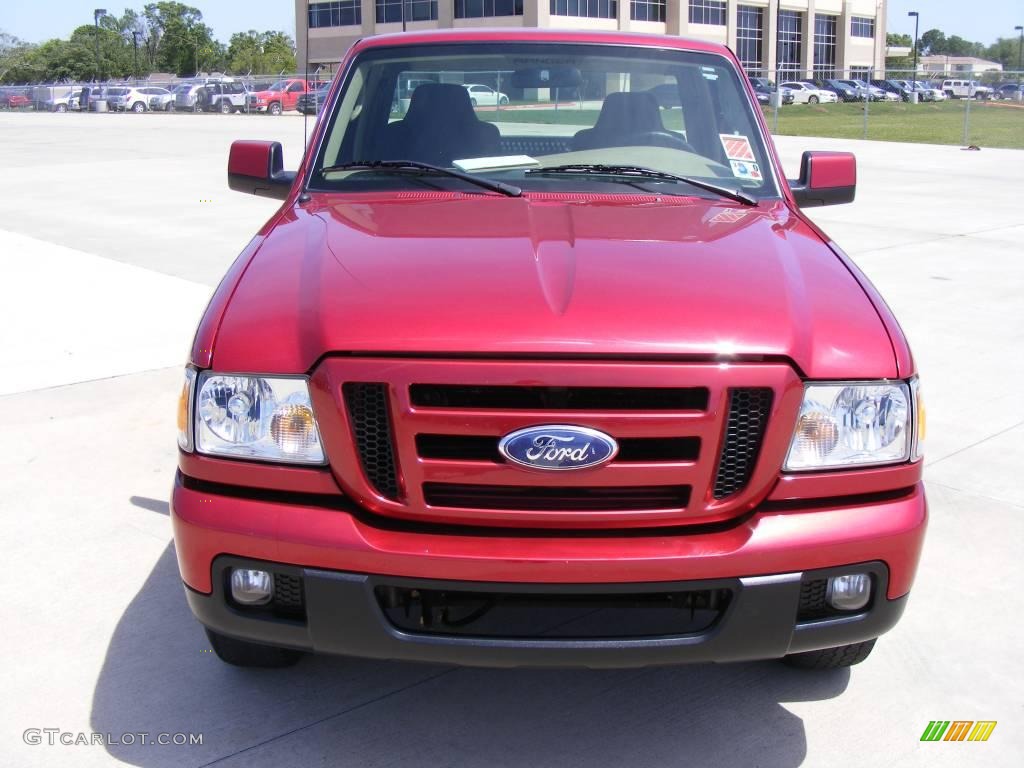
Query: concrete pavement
x=98 y=634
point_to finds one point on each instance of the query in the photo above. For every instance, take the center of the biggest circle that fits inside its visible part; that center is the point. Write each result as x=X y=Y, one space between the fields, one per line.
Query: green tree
x=261 y=53
x=179 y=40
x=1005 y=50
x=15 y=59
x=933 y=41
x=893 y=39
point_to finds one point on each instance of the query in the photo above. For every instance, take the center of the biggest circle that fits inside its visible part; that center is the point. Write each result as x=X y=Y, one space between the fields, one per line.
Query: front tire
x=831 y=658
x=62 y=108
x=503 y=101
x=275 y=109
x=240 y=653
x=138 y=107
x=812 y=100
x=225 y=108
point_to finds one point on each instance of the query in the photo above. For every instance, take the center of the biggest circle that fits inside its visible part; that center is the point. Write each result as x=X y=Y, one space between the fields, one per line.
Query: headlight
x=852 y=424
x=252 y=417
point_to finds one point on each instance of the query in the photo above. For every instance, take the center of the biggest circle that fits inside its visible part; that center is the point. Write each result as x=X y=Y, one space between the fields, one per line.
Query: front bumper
x=341 y=556
x=344 y=616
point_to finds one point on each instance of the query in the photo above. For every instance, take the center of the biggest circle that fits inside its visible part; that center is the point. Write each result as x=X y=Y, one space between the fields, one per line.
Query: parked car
x=965 y=89
x=312 y=102
x=163 y=102
x=807 y=93
x=764 y=94
x=280 y=97
x=66 y=103
x=929 y=92
x=485 y=96
x=133 y=99
x=843 y=91
x=628 y=417
x=14 y=98
x=225 y=98
x=194 y=96
x=1008 y=91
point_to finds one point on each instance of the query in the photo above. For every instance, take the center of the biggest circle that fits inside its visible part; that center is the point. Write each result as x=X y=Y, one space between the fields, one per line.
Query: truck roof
x=506 y=34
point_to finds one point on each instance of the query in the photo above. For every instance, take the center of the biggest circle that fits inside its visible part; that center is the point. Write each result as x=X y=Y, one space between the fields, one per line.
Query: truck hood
x=614 y=275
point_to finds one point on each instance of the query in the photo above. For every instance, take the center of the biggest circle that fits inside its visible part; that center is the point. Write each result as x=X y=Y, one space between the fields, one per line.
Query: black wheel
x=138 y=107
x=62 y=108
x=275 y=109
x=225 y=107
x=812 y=100
x=473 y=102
x=169 y=107
x=503 y=101
x=831 y=658
x=240 y=653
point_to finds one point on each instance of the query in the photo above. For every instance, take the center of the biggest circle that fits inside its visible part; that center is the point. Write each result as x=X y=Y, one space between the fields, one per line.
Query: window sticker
x=737 y=147
x=744 y=170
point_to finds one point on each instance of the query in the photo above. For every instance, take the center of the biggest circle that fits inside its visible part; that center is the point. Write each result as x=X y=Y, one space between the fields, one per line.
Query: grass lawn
x=992 y=124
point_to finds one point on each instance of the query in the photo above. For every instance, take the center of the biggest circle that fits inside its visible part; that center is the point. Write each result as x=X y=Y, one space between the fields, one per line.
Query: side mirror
x=826 y=178
x=257 y=167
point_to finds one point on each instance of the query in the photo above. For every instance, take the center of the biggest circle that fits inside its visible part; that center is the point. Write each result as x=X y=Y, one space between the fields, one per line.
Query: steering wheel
x=657 y=139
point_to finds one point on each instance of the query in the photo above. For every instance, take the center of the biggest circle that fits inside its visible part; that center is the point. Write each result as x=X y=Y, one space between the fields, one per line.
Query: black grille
x=631 y=449
x=812 y=601
x=527 y=615
x=567 y=499
x=748 y=415
x=371 y=423
x=288 y=599
x=560 y=398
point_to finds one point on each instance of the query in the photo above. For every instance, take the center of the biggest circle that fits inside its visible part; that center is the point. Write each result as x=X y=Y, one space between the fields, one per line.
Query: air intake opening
x=371 y=425
x=748 y=416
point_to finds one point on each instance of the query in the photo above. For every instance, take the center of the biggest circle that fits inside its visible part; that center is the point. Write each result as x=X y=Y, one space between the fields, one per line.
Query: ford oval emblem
x=558 y=447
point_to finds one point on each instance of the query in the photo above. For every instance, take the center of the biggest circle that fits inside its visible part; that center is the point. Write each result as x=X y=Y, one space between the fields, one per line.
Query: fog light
x=849 y=592
x=251 y=587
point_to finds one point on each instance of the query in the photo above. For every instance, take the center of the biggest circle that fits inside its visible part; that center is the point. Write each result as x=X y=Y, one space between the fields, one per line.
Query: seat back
x=439 y=127
x=622 y=115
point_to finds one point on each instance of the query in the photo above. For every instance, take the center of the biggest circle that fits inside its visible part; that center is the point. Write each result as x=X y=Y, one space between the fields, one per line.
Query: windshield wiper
x=648 y=173
x=400 y=165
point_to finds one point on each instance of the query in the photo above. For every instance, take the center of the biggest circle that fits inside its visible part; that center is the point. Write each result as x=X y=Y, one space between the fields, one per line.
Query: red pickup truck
x=592 y=393
x=280 y=97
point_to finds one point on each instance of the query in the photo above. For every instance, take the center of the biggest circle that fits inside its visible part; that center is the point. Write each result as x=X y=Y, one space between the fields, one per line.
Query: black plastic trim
x=345 y=618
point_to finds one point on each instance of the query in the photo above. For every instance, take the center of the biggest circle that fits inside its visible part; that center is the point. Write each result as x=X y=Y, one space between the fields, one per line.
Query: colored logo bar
x=958 y=730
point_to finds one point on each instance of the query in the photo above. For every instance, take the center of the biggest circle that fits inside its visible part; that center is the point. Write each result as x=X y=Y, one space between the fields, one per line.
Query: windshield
x=280 y=86
x=545 y=105
x=183 y=88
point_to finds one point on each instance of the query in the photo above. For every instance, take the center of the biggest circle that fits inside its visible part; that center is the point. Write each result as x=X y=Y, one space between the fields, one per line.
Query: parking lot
x=113 y=233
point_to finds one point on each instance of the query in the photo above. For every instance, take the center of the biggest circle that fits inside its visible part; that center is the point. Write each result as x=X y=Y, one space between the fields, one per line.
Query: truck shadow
x=160 y=676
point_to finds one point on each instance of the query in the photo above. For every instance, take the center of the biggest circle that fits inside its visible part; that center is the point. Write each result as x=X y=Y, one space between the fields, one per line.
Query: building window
x=480 y=9
x=860 y=73
x=707 y=12
x=750 y=38
x=790 y=47
x=824 y=45
x=342 y=13
x=591 y=9
x=647 y=10
x=862 y=26
x=415 y=10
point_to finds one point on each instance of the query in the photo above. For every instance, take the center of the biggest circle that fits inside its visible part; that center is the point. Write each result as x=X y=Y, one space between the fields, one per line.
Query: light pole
x=135 y=45
x=96 y=16
x=917 y=22
x=1020 y=52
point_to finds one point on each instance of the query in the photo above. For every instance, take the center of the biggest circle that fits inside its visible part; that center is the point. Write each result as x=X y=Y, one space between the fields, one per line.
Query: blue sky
x=37 y=20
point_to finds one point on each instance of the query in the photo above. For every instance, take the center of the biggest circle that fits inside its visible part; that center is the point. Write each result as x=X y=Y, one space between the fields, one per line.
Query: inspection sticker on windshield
x=744 y=170
x=737 y=147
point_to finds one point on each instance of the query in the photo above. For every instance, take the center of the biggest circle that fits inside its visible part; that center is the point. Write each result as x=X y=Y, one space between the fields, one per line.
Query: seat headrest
x=446 y=99
x=628 y=113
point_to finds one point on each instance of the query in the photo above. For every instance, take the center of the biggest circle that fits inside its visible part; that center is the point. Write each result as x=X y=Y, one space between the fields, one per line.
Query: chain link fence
x=958 y=108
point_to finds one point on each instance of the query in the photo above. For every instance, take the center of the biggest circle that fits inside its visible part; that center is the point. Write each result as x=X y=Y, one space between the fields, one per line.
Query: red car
x=583 y=387
x=280 y=97
x=14 y=100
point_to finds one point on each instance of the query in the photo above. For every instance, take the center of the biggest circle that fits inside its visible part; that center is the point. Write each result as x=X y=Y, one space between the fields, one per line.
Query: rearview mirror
x=257 y=167
x=826 y=178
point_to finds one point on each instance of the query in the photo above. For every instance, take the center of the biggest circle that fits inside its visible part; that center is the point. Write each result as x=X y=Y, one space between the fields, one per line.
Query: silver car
x=134 y=99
